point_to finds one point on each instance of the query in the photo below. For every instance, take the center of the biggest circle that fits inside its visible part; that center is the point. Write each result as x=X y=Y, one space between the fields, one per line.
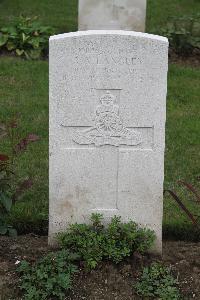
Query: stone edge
x=109 y=32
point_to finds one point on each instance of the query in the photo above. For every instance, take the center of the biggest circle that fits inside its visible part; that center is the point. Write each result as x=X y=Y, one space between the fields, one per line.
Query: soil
x=192 y=60
x=108 y=281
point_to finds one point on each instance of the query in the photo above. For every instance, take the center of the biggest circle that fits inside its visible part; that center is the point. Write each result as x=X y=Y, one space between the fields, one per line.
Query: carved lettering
x=119 y=60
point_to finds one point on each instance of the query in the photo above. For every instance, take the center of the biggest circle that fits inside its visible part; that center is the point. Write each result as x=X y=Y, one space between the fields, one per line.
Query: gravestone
x=112 y=14
x=107 y=128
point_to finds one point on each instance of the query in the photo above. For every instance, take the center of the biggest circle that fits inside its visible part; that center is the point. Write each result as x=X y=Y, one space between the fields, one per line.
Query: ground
x=108 y=281
x=24 y=91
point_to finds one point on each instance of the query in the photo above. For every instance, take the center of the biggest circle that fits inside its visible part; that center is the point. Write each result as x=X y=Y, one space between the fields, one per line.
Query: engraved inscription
x=108 y=128
x=107 y=60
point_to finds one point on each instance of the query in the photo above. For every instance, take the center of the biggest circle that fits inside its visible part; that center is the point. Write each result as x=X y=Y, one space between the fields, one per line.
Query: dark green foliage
x=26 y=38
x=49 y=277
x=5 y=208
x=184 y=34
x=96 y=242
x=5 y=189
x=158 y=283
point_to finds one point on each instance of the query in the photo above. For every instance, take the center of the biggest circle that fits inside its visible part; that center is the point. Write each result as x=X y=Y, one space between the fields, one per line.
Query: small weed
x=26 y=38
x=49 y=277
x=158 y=283
x=96 y=242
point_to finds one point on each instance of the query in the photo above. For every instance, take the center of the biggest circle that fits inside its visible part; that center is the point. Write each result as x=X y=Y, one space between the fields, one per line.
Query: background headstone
x=107 y=127
x=112 y=14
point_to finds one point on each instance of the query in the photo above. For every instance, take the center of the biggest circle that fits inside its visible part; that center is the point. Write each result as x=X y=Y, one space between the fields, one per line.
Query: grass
x=182 y=147
x=24 y=89
x=63 y=13
x=160 y=11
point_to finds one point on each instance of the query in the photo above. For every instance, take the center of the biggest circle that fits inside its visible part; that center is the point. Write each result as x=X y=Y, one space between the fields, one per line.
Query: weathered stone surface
x=107 y=127
x=112 y=14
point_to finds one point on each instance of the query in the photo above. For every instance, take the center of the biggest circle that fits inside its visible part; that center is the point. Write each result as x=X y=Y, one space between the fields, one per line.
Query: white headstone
x=107 y=127
x=112 y=14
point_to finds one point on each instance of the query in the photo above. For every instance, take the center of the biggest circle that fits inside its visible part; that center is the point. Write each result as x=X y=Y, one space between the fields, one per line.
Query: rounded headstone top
x=110 y=32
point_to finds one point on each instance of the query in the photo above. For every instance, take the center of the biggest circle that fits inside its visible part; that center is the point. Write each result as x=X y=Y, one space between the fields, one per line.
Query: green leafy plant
x=158 y=283
x=183 y=34
x=11 y=185
x=49 y=277
x=26 y=38
x=95 y=242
